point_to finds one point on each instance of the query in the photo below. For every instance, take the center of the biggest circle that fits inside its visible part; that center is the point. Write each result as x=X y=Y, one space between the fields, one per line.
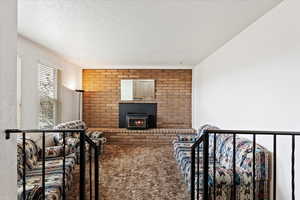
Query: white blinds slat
x=48 y=96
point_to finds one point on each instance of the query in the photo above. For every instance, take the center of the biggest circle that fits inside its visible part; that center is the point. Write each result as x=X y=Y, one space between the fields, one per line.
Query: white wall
x=31 y=55
x=8 y=97
x=253 y=82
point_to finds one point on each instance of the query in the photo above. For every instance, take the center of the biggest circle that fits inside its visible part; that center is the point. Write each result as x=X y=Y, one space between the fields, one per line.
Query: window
x=48 y=96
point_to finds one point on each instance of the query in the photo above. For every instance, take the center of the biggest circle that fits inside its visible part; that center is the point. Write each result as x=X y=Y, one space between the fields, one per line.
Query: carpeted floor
x=140 y=173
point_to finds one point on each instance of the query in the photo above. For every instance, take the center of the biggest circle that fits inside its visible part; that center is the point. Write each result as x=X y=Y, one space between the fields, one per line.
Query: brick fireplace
x=173 y=90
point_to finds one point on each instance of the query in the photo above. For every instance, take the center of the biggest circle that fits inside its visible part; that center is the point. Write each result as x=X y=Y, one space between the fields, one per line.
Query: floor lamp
x=80 y=100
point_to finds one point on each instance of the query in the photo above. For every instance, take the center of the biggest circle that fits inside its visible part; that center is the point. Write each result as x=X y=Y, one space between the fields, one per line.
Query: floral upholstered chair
x=224 y=173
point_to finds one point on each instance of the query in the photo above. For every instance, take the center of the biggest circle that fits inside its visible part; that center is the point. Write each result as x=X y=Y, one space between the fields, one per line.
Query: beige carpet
x=140 y=173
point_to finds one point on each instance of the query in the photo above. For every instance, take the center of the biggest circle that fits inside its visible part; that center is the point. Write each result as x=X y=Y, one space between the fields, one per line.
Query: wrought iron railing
x=83 y=140
x=200 y=188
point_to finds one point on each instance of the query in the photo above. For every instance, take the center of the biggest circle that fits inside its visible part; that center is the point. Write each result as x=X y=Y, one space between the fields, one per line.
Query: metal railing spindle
x=254 y=163
x=198 y=173
x=215 y=144
x=97 y=172
x=293 y=167
x=90 y=167
x=24 y=164
x=193 y=172
x=64 y=165
x=82 y=166
x=234 y=166
x=43 y=166
x=205 y=165
x=275 y=165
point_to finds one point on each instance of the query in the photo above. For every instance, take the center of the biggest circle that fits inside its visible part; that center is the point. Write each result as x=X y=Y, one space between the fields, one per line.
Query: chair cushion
x=31 y=152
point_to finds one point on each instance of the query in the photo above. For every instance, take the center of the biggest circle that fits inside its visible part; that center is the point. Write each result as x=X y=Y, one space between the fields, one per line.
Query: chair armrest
x=263 y=164
x=100 y=140
x=186 y=137
x=95 y=134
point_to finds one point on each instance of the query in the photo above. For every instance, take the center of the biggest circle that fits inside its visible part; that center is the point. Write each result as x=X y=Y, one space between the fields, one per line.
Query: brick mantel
x=140 y=101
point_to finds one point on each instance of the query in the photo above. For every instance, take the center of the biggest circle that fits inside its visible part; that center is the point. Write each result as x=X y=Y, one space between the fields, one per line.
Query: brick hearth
x=149 y=136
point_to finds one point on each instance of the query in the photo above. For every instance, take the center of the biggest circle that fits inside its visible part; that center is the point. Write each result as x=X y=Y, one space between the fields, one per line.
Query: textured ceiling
x=97 y=33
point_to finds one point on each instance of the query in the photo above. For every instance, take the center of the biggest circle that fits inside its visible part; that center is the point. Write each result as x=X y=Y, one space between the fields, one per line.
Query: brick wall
x=173 y=96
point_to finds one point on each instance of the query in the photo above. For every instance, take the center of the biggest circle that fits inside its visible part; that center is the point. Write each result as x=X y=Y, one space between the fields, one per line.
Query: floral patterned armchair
x=224 y=173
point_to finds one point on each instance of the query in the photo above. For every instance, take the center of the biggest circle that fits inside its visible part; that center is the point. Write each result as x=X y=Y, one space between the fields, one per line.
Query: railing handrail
x=91 y=142
x=248 y=132
x=42 y=130
x=198 y=141
x=10 y=131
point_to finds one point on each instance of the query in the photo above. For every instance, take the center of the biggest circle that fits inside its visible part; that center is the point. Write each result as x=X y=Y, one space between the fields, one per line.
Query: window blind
x=48 y=96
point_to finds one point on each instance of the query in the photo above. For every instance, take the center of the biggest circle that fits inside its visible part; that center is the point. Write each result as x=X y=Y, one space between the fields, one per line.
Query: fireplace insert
x=137 y=121
x=143 y=115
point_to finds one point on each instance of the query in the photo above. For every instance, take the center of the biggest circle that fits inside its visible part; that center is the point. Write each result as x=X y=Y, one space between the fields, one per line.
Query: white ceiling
x=104 y=33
